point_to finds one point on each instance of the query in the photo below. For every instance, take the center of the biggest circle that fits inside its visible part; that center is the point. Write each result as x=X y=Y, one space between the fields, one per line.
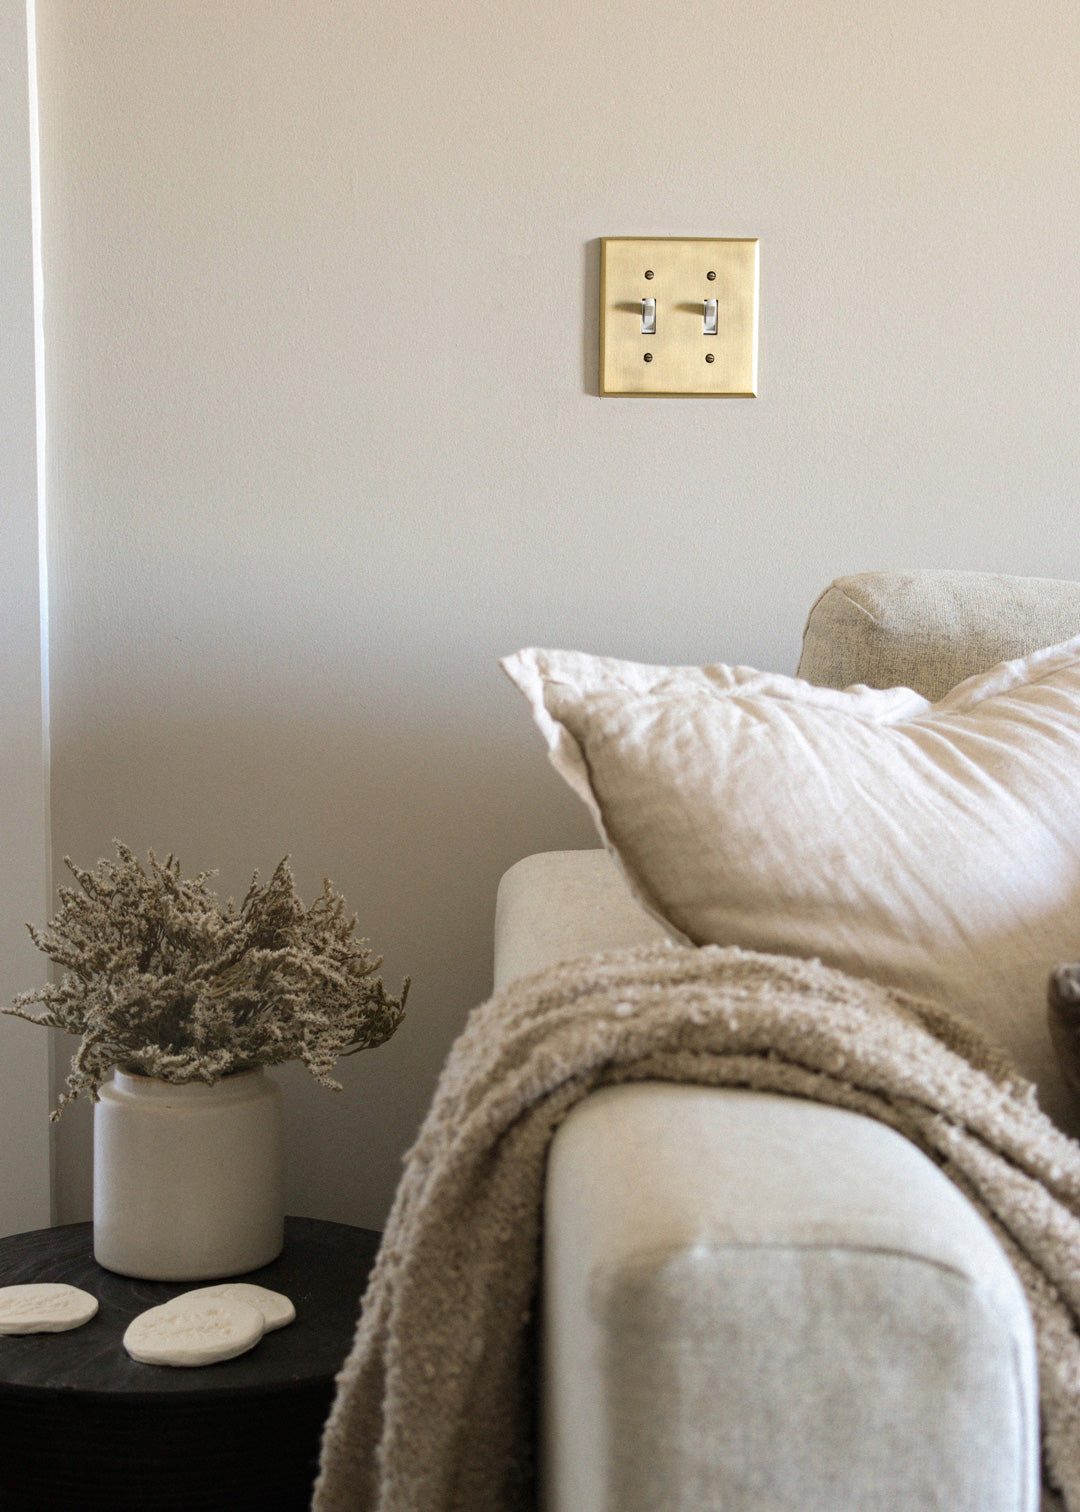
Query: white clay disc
x=276 y=1308
x=199 y=1332
x=44 y=1307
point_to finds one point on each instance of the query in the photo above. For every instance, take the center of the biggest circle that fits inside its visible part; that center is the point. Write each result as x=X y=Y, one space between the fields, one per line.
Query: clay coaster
x=276 y=1308
x=199 y=1332
x=44 y=1307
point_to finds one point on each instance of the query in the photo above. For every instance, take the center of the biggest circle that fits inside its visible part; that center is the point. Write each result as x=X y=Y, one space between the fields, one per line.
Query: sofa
x=758 y=1303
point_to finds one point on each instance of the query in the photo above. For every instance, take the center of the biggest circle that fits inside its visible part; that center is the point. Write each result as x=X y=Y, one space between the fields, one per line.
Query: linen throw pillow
x=933 y=847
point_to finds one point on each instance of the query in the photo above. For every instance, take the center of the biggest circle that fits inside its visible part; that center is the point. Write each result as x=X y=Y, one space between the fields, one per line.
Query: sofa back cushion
x=930 y=630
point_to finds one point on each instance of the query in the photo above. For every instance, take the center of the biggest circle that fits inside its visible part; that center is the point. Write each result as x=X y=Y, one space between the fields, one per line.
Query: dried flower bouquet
x=162 y=980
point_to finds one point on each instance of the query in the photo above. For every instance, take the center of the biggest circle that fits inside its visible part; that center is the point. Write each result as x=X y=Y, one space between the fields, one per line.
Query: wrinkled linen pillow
x=933 y=847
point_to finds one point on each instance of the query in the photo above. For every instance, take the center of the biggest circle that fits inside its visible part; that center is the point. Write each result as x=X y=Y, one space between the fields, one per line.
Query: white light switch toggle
x=648 y=317
x=709 y=325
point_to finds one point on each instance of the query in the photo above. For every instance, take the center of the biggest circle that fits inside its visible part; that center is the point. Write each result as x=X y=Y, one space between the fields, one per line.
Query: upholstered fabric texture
x=754 y=1301
x=930 y=630
x=560 y=904
x=934 y=847
x=435 y=1405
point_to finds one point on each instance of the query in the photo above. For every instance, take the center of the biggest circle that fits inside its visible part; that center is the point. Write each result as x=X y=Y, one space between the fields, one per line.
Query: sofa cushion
x=933 y=847
x=929 y=630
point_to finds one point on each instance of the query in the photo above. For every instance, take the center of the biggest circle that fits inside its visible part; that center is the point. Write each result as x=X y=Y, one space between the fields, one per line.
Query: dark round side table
x=83 y=1426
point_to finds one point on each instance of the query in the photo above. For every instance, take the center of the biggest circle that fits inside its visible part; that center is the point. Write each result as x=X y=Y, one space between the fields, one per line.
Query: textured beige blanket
x=434 y=1411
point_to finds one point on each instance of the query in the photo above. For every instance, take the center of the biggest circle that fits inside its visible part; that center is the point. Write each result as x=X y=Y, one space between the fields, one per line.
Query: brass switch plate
x=676 y=358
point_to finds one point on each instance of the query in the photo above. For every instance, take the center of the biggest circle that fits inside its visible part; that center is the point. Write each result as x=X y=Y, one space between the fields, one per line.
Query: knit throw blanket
x=435 y=1404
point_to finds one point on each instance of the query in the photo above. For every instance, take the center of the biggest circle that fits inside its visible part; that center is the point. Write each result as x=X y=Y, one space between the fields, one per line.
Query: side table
x=82 y=1425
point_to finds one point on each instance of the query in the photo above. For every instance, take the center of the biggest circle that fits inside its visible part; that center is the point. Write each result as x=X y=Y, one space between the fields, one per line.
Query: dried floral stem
x=161 y=979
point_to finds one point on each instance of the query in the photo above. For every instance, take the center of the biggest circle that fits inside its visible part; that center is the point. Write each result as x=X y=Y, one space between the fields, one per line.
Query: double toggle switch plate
x=678 y=316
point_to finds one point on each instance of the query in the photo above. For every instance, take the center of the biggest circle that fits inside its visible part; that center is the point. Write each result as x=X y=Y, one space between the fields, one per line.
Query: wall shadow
x=590 y=321
x=414 y=825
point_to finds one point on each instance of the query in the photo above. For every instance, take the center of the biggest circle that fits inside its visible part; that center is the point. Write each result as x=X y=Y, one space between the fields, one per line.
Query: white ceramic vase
x=188 y=1176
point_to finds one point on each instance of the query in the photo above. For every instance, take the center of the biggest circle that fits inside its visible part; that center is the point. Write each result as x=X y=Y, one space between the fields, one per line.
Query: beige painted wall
x=321 y=304
x=24 y=1136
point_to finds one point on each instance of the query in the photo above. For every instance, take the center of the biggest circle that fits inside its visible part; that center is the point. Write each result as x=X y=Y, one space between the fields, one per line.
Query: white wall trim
x=25 y=1177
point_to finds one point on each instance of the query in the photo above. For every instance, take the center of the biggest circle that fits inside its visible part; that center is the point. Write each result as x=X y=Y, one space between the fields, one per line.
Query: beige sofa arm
x=559 y=904
x=753 y=1302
